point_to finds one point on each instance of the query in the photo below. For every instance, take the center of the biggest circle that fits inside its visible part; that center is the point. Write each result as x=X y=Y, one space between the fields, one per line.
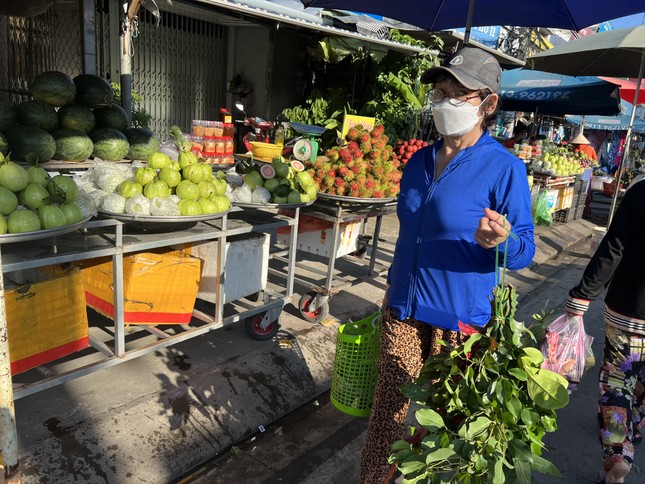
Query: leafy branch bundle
x=486 y=405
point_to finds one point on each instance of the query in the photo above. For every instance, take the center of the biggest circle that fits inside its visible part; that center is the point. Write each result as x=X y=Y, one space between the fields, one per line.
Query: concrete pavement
x=318 y=444
x=161 y=416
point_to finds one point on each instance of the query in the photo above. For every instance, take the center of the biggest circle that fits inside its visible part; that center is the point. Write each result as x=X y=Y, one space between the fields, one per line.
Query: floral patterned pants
x=621 y=406
x=405 y=345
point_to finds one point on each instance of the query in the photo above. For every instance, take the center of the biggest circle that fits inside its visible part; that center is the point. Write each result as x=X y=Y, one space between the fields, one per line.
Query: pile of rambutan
x=404 y=150
x=363 y=167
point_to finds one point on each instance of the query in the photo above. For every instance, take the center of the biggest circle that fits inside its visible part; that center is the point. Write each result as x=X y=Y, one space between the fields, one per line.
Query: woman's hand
x=493 y=229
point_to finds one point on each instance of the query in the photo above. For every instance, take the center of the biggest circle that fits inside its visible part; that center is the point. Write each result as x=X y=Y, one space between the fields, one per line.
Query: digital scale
x=306 y=148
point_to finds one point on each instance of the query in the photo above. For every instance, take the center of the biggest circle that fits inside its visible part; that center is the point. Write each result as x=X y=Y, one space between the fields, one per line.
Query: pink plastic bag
x=565 y=347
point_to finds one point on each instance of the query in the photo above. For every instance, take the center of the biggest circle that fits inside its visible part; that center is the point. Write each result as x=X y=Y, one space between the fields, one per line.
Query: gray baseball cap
x=473 y=68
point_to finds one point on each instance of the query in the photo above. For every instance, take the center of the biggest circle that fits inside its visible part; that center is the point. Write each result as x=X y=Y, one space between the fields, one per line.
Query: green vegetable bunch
x=486 y=405
x=140 y=117
x=399 y=95
x=318 y=111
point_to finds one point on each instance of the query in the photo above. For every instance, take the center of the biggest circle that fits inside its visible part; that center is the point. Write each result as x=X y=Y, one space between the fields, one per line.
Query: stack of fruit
x=163 y=188
x=279 y=182
x=31 y=200
x=362 y=168
x=559 y=160
x=404 y=150
x=71 y=120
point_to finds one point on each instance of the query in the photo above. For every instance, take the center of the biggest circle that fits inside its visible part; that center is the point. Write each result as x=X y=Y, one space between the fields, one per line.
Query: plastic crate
x=563 y=216
x=158 y=287
x=354 y=376
x=46 y=320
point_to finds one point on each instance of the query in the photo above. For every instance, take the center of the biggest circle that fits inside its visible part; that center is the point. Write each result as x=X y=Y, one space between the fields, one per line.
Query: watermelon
x=113 y=116
x=93 y=91
x=109 y=144
x=142 y=143
x=77 y=117
x=7 y=115
x=54 y=88
x=72 y=145
x=37 y=114
x=4 y=145
x=27 y=143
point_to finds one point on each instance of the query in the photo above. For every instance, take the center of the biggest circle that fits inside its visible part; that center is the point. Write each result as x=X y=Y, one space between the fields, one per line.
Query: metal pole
x=469 y=21
x=8 y=433
x=627 y=139
x=125 y=42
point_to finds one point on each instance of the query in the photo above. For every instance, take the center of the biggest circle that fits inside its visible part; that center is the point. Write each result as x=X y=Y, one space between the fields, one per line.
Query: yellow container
x=158 y=288
x=46 y=320
x=265 y=150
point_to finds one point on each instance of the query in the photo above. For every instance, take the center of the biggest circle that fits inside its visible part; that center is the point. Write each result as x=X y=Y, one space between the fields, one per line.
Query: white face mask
x=453 y=120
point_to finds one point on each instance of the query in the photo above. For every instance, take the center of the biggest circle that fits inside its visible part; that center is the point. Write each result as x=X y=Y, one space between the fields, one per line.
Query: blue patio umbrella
x=611 y=123
x=528 y=91
x=433 y=15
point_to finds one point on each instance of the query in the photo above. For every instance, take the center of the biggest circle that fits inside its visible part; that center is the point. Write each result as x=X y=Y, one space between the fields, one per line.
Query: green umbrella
x=615 y=53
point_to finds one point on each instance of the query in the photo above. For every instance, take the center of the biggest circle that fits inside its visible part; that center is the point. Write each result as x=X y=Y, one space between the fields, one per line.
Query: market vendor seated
x=581 y=143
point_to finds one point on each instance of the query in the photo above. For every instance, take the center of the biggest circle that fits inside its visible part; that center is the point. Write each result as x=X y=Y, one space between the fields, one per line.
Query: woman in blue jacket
x=459 y=199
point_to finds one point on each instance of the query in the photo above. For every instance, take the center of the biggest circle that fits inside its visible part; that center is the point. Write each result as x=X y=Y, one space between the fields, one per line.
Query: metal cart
x=101 y=238
x=337 y=210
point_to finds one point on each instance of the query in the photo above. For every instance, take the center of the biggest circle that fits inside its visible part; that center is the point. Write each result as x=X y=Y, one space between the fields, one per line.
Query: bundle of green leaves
x=486 y=405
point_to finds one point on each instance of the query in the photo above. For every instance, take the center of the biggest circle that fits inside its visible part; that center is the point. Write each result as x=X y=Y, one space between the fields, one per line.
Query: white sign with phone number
x=536 y=95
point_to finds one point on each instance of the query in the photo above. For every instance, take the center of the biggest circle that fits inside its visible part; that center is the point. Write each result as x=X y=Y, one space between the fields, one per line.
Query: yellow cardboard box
x=158 y=287
x=46 y=320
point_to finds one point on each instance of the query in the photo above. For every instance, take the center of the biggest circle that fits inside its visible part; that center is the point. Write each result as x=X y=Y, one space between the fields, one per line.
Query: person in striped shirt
x=619 y=265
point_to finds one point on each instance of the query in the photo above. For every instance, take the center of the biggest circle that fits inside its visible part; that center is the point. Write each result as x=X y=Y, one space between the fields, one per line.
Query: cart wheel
x=255 y=331
x=318 y=314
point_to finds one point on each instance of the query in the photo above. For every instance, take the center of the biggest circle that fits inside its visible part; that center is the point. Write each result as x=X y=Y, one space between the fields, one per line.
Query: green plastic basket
x=354 y=376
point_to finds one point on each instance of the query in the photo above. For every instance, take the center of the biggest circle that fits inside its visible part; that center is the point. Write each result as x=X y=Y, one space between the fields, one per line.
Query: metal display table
x=314 y=305
x=111 y=238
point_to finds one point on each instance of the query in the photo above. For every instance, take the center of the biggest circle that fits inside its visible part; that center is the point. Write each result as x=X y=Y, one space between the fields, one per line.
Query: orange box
x=46 y=320
x=158 y=287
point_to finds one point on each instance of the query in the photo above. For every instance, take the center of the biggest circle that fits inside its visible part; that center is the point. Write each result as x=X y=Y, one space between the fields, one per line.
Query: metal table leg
x=8 y=432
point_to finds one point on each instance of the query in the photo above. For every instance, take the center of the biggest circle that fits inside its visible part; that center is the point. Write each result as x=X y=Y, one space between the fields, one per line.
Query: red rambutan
x=349 y=177
x=365 y=192
x=339 y=182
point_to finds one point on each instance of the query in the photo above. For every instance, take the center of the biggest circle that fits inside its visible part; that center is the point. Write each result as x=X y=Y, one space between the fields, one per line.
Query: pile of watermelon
x=71 y=120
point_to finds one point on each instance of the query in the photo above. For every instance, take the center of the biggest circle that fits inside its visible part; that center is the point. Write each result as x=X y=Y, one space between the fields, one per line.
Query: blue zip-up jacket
x=439 y=275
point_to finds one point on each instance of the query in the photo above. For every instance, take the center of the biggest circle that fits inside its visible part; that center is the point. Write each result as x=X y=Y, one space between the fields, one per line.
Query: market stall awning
x=528 y=90
x=627 y=88
x=271 y=11
x=619 y=122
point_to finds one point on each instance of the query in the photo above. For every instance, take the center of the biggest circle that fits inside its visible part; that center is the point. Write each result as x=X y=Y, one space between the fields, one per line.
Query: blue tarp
x=528 y=90
x=612 y=123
